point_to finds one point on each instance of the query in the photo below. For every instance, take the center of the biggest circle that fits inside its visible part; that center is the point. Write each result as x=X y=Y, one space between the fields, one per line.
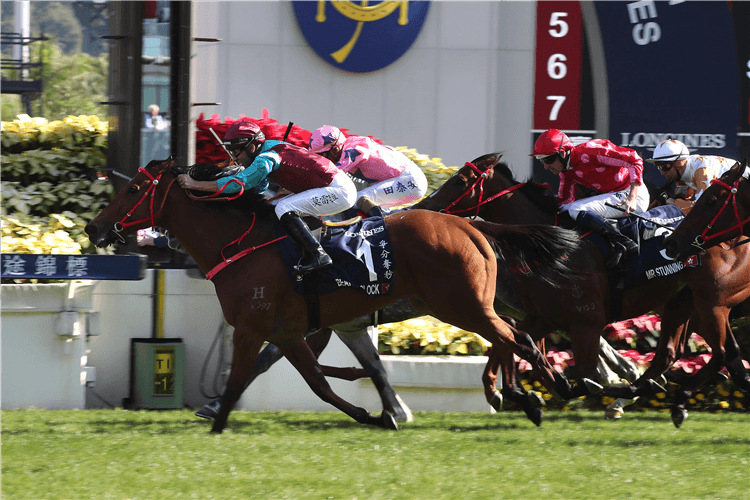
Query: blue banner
x=73 y=267
x=672 y=73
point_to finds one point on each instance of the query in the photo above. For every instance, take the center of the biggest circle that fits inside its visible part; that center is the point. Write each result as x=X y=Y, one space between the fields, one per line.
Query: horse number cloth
x=362 y=258
x=652 y=261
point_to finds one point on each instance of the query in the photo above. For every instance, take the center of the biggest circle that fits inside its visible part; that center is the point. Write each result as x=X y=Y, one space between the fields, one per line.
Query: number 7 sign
x=557 y=86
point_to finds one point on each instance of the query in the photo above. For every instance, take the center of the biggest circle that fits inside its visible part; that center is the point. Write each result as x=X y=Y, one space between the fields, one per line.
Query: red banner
x=557 y=93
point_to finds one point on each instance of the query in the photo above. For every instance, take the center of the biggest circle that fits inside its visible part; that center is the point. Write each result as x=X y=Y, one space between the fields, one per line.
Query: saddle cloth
x=362 y=258
x=651 y=262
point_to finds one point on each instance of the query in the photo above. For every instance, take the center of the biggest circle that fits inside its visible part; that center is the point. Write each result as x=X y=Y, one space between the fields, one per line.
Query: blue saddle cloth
x=362 y=258
x=651 y=262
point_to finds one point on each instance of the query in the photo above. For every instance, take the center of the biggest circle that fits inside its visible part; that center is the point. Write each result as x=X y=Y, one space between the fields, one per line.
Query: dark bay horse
x=486 y=188
x=720 y=214
x=447 y=265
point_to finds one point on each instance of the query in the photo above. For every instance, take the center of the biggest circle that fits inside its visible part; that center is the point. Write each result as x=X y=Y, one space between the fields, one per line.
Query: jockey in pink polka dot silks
x=616 y=173
x=395 y=179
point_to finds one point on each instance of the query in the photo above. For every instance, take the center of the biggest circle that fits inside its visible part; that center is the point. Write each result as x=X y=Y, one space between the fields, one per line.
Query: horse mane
x=537 y=193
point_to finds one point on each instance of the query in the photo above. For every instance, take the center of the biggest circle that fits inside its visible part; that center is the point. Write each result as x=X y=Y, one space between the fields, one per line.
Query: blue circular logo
x=358 y=37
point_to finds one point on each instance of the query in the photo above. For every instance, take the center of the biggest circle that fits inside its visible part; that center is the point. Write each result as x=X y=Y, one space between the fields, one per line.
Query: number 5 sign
x=557 y=89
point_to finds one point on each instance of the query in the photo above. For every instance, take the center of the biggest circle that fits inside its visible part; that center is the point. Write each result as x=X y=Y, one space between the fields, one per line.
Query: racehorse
x=445 y=264
x=719 y=215
x=486 y=188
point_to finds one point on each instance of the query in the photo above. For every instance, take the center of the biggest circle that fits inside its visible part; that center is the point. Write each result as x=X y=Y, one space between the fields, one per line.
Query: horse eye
x=711 y=201
x=133 y=189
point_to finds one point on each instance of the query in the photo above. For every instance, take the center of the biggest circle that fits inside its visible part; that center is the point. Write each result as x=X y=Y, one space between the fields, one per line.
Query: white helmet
x=670 y=150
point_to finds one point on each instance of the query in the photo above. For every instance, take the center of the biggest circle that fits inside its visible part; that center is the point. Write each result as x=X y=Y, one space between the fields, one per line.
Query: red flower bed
x=208 y=150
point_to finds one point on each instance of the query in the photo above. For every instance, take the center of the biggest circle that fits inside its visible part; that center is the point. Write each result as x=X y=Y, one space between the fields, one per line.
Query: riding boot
x=300 y=233
x=369 y=207
x=624 y=247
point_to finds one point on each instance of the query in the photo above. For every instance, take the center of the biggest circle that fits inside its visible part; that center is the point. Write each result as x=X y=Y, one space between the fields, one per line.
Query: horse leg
x=530 y=401
x=263 y=362
x=302 y=358
x=246 y=347
x=675 y=322
x=619 y=364
x=367 y=355
x=677 y=317
x=716 y=335
x=490 y=377
x=734 y=363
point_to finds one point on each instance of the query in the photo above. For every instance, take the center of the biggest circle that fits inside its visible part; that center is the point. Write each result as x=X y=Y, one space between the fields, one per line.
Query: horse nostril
x=90 y=229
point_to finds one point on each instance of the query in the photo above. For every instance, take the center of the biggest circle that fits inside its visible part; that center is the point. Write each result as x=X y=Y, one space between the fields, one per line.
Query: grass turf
x=117 y=454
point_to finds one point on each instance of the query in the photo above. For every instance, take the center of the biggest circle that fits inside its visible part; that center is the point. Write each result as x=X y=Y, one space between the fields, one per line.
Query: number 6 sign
x=557 y=75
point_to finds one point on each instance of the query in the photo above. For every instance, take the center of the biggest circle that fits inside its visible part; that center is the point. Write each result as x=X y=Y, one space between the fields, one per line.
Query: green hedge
x=52 y=183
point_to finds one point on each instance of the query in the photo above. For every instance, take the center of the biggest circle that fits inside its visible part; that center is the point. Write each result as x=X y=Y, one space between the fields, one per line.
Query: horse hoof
x=388 y=421
x=535 y=400
x=536 y=415
x=209 y=411
x=497 y=401
x=402 y=412
x=679 y=415
x=592 y=386
x=613 y=413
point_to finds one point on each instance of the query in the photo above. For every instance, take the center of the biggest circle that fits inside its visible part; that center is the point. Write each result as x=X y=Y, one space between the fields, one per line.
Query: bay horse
x=445 y=264
x=719 y=215
x=486 y=188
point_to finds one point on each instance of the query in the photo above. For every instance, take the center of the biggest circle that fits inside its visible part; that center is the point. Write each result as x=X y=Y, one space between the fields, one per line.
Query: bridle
x=704 y=237
x=481 y=177
x=150 y=192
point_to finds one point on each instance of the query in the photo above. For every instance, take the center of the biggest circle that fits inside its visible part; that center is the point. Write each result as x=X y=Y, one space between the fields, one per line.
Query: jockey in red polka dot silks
x=616 y=173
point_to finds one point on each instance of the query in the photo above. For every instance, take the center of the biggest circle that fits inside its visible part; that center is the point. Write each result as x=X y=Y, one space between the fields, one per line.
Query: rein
x=214 y=196
x=482 y=176
x=704 y=237
x=122 y=224
x=226 y=261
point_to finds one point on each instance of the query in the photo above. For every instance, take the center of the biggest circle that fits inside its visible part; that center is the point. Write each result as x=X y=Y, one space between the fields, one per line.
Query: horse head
x=462 y=191
x=720 y=214
x=136 y=206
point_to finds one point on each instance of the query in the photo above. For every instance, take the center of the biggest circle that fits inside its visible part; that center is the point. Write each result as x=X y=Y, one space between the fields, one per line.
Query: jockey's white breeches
x=597 y=204
x=409 y=187
x=338 y=196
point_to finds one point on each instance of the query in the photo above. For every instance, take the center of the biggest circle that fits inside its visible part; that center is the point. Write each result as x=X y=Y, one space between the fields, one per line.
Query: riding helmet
x=670 y=150
x=243 y=133
x=326 y=138
x=551 y=142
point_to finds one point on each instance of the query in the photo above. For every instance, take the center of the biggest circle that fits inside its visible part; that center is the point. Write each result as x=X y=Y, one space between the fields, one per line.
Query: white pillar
x=22 y=27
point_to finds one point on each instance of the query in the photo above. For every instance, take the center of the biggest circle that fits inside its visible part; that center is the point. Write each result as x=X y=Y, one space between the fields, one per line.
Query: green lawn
x=117 y=454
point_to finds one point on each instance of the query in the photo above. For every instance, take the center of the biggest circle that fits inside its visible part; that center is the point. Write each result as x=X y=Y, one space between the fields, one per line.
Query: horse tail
x=536 y=249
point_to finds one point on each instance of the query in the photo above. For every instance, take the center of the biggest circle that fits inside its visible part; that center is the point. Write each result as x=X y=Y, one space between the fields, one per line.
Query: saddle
x=651 y=262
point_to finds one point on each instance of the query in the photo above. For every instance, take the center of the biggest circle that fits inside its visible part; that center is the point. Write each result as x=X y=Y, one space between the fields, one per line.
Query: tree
x=53 y=19
x=72 y=85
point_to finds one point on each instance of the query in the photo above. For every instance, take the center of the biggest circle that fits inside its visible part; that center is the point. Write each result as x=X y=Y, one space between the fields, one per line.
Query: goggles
x=547 y=159
x=664 y=166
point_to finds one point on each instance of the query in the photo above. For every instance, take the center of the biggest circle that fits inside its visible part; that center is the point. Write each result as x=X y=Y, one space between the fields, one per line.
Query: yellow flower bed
x=427 y=335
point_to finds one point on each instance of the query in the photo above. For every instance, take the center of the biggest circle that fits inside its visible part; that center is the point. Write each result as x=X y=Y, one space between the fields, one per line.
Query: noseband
x=481 y=176
x=704 y=237
x=150 y=191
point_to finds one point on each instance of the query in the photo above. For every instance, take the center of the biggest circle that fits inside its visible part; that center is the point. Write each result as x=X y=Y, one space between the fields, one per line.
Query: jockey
x=397 y=179
x=614 y=172
x=693 y=173
x=318 y=187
